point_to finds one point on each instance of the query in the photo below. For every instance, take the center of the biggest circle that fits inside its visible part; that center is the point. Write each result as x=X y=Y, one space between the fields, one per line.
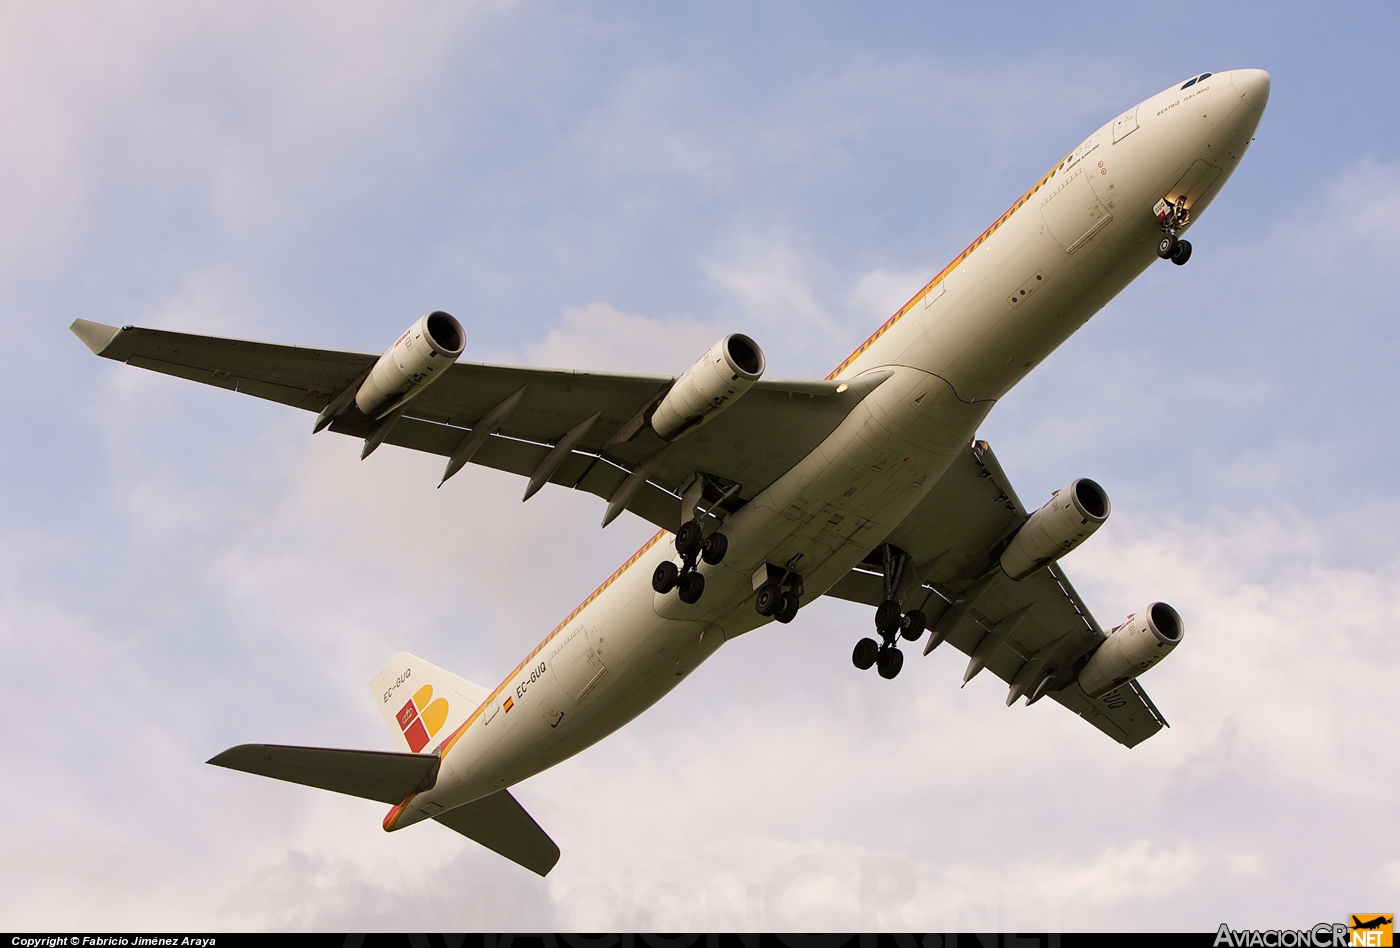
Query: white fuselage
x=1054 y=259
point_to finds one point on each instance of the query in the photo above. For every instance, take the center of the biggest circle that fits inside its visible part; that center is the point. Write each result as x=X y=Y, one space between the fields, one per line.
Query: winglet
x=95 y=336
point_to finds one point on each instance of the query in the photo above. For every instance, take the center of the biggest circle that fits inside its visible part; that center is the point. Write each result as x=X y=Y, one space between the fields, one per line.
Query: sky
x=615 y=186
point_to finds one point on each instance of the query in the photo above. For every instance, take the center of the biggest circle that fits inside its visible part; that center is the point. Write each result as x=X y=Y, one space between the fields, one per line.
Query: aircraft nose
x=1252 y=85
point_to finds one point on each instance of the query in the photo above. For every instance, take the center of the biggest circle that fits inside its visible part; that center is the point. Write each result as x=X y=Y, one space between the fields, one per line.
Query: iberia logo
x=422 y=717
x=1372 y=930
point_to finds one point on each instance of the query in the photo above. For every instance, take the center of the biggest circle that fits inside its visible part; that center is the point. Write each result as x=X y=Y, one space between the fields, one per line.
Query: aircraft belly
x=637 y=657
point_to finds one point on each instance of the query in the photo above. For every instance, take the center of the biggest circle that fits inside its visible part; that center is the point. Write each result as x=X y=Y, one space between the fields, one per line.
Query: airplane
x=1380 y=921
x=869 y=485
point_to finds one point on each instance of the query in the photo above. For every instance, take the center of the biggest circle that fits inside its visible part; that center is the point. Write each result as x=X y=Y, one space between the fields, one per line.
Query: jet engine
x=1131 y=649
x=713 y=383
x=1068 y=518
x=411 y=364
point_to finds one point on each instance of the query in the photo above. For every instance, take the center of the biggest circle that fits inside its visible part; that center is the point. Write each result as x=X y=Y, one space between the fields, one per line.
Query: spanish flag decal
x=510 y=703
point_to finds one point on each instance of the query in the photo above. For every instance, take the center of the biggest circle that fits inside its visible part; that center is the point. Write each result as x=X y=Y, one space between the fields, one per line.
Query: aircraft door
x=1125 y=124
x=577 y=664
x=1073 y=212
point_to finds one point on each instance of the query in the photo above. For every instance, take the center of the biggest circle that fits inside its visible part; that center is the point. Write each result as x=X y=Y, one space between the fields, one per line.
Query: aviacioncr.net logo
x=1366 y=930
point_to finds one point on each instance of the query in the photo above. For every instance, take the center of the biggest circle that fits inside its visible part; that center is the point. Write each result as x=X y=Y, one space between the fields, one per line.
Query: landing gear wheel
x=913 y=625
x=1166 y=247
x=690 y=538
x=665 y=577
x=768 y=600
x=714 y=548
x=1182 y=253
x=692 y=586
x=788 y=610
x=887 y=616
x=865 y=654
x=889 y=662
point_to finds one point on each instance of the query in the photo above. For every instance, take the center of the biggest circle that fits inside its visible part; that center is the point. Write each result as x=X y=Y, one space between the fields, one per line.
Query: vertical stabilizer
x=422 y=703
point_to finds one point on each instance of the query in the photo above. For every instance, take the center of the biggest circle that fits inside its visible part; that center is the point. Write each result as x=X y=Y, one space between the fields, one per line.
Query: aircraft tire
x=865 y=653
x=888 y=615
x=665 y=576
x=692 y=586
x=768 y=600
x=716 y=545
x=1182 y=253
x=690 y=538
x=788 y=610
x=889 y=663
x=913 y=625
x=1166 y=247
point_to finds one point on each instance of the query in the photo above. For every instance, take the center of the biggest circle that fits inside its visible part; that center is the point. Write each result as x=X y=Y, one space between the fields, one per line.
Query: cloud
x=601 y=337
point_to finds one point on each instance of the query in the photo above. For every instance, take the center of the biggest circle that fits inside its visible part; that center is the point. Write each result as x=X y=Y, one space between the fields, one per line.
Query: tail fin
x=421 y=702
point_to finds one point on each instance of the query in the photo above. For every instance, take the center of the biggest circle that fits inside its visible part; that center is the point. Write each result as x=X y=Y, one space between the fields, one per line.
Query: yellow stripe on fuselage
x=860 y=350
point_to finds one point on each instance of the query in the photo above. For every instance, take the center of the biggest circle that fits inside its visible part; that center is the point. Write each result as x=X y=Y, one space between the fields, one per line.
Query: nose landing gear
x=1173 y=217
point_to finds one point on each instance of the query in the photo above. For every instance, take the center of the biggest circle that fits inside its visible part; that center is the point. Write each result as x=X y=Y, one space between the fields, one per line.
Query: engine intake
x=411 y=364
x=1068 y=518
x=720 y=377
x=1132 y=648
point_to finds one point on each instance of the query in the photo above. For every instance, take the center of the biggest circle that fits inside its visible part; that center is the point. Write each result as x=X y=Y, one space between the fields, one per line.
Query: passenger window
x=1189 y=83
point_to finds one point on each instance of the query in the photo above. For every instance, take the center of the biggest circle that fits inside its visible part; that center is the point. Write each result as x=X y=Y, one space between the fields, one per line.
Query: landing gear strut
x=1173 y=217
x=693 y=546
x=891 y=622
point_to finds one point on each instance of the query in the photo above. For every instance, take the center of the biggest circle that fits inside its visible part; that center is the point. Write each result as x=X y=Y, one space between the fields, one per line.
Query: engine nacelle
x=1068 y=518
x=1131 y=649
x=712 y=384
x=411 y=364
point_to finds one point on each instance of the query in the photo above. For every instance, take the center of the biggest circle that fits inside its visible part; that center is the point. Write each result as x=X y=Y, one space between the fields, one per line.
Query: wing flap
x=501 y=824
x=371 y=775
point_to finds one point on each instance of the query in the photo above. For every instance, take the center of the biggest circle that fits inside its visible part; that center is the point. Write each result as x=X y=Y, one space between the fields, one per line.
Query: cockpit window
x=1189 y=83
x=1201 y=78
x=1204 y=77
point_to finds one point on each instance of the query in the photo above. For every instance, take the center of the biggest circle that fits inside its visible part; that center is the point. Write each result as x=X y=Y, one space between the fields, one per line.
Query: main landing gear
x=891 y=623
x=693 y=546
x=1173 y=217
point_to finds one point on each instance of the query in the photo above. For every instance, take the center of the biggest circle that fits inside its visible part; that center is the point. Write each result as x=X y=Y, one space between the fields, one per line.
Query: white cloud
x=601 y=337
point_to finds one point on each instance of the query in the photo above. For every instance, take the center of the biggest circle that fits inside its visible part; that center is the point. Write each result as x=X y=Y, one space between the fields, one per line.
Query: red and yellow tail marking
x=421 y=718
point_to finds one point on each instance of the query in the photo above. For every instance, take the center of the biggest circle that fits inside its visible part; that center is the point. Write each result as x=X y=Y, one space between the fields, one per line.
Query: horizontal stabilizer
x=501 y=824
x=372 y=775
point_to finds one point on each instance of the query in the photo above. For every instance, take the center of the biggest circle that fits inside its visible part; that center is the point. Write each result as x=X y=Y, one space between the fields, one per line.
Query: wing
x=1022 y=632
x=750 y=445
